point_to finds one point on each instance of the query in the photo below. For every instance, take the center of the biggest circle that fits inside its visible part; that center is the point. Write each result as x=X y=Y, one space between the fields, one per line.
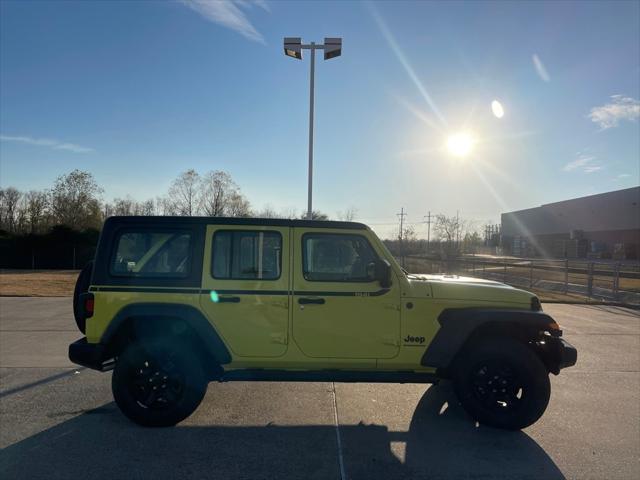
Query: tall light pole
x=293 y=47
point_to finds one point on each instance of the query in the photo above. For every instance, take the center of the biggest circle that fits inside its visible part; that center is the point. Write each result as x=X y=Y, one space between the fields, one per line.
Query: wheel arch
x=144 y=320
x=460 y=328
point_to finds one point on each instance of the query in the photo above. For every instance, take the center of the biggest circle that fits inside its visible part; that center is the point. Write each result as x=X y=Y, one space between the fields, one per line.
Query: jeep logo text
x=411 y=339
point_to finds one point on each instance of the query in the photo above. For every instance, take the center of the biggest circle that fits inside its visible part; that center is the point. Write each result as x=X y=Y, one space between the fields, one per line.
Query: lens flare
x=496 y=108
x=460 y=144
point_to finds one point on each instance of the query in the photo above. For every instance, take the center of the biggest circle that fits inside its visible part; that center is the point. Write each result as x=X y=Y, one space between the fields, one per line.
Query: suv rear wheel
x=158 y=384
x=502 y=383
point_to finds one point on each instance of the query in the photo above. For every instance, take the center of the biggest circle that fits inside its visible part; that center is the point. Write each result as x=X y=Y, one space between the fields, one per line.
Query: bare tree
x=267 y=212
x=22 y=215
x=215 y=191
x=164 y=206
x=123 y=207
x=220 y=196
x=289 y=213
x=74 y=200
x=238 y=206
x=349 y=215
x=315 y=215
x=146 y=208
x=128 y=206
x=184 y=193
x=449 y=230
x=37 y=203
x=9 y=199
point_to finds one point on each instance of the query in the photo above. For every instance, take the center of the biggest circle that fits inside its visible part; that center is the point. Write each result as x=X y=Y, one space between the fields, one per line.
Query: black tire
x=502 y=383
x=158 y=383
x=82 y=286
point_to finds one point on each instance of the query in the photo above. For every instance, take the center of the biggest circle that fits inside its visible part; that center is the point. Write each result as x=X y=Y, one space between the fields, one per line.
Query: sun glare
x=460 y=144
x=497 y=109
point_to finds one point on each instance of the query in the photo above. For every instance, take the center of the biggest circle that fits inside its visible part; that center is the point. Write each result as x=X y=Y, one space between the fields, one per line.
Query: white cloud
x=540 y=68
x=46 y=142
x=228 y=13
x=584 y=163
x=620 y=108
x=579 y=162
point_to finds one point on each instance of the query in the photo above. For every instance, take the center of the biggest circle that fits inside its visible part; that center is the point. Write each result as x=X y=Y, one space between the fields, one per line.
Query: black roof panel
x=274 y=222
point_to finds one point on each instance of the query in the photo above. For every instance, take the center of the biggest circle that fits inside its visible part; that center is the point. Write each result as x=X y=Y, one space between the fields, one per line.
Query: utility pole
x=428 y=217
x=457 y=228
x=401 y=215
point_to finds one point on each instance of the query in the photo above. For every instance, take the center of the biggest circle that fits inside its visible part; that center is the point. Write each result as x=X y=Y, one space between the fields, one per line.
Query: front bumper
x=91 y=355
x=567 y=353
x=557 y=353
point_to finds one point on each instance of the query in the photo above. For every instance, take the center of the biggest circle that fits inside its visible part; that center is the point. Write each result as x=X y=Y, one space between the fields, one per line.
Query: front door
x=246 y=282
x=339 y=310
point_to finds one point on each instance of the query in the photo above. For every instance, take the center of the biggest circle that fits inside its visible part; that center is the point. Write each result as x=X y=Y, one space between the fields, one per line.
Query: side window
x=337 y=258
x=152 y=254
x=246 y=255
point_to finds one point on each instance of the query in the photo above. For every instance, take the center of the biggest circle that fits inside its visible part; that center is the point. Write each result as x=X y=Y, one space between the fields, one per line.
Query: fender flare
x=457 y=325
x=190 y=315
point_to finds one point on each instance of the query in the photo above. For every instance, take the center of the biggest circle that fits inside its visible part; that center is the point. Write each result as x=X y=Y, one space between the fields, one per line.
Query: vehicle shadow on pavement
x=442 y=442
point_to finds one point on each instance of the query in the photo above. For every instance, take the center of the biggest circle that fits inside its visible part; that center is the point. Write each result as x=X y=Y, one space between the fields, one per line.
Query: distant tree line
x=74 y=201
x=450 y=237
x=58 y=227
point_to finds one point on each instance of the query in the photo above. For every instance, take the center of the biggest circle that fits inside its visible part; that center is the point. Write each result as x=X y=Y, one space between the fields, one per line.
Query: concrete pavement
x=58 y=421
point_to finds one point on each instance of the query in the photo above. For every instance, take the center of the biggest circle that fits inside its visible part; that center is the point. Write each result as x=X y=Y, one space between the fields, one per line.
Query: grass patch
x=37 y=283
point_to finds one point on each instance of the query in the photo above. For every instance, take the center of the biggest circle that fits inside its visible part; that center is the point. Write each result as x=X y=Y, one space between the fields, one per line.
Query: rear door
x=246 y=287
x=339 y=310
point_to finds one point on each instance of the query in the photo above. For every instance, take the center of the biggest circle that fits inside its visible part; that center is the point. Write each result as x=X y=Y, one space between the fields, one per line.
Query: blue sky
x=136 y=92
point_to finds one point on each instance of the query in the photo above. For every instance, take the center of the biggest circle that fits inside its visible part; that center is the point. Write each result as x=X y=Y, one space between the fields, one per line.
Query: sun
x=460 y=144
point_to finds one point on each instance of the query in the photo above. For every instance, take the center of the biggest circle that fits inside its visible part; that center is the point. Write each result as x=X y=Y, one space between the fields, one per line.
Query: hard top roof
x=274 y=222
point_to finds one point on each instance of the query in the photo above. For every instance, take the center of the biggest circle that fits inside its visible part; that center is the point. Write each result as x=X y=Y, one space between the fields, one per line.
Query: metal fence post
x=531 y=274
x=566 y=277
x=504 y=274
x=590 y=281
x=616 y=280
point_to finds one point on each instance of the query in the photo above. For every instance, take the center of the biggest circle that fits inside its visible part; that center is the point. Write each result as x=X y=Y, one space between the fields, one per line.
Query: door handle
x=314 y=301
x=229 y=300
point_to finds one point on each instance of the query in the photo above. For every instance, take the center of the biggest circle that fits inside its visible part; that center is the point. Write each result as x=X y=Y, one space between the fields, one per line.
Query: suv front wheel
x=502 y=383
x=158 y=384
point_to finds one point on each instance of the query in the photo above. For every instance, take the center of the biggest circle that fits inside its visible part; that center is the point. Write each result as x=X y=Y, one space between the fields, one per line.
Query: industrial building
x=606 y=225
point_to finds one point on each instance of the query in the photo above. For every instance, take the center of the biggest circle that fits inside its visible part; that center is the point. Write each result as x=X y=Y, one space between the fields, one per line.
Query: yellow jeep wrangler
x=171 y=304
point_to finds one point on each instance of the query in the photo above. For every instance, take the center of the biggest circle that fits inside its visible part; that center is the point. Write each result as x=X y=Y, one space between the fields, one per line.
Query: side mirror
x=383 y=273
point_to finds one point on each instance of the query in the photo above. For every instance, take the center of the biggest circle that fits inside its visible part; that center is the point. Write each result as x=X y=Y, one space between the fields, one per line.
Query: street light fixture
x=293 y=47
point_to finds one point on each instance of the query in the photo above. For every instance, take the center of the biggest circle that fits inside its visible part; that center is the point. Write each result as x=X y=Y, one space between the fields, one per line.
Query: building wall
x=602 y=225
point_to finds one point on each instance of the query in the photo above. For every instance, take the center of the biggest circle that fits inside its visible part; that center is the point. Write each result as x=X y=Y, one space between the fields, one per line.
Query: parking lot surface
x=59 y=421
